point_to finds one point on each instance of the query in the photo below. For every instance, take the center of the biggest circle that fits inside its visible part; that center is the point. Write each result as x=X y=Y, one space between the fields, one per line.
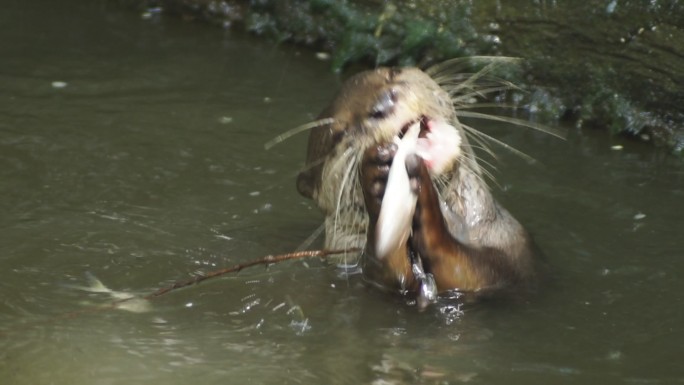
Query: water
x=148 y=166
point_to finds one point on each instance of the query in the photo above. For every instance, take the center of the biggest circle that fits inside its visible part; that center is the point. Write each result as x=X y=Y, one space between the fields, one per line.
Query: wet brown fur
x=464 y=237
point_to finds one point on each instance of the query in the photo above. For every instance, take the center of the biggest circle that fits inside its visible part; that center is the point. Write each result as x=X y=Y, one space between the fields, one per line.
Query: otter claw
x=378 y=189
x=428 y=291
x=385 y=154
x=428 y=287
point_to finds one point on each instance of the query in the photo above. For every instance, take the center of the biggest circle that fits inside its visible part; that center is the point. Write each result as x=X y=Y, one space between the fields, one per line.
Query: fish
x=399 y=202
x=123 y=300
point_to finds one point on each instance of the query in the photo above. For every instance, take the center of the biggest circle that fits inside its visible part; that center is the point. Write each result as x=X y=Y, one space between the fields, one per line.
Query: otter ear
x=320 y=145
x=305 y=183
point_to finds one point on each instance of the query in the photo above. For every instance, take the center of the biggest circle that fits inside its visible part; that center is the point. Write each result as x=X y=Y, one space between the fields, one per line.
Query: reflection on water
x=146 y=165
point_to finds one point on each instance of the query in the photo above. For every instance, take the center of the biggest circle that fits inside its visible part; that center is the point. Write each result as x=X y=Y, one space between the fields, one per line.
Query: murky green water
x=147 y=165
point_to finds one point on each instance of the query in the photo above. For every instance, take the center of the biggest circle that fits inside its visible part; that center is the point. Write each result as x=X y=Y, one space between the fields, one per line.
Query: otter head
x=373 y=107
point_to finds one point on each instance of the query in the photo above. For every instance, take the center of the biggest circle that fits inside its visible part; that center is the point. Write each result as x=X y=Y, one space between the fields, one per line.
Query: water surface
x=132 y=149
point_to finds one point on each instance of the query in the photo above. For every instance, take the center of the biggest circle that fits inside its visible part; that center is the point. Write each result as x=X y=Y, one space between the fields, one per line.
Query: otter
x=459 y=235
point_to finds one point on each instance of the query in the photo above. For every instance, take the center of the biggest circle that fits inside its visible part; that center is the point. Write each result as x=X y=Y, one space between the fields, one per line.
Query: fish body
x=399 y=203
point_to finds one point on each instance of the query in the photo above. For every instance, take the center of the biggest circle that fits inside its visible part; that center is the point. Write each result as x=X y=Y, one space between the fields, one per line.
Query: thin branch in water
x=267 y=260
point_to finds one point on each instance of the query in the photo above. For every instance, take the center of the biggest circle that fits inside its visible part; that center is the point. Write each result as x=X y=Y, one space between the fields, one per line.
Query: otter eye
x=385 y=105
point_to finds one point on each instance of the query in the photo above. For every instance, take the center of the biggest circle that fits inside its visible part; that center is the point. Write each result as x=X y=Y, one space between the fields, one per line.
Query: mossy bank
x=606 y=64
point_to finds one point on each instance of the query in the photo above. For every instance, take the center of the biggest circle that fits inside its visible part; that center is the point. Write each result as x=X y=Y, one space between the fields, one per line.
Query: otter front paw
x=428 y=226
x=374 y=170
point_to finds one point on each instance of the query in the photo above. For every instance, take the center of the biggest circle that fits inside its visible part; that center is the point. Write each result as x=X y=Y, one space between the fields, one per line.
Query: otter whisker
x=500 y=143
x=514 y=121
x=313 y=164
x=459 y=64
x=485 y=171
x=294 y=131
x=474 y=169
x=472 y=106
x=463 y=98
x=486 y=168
x=360 y=216
x=471 y=81
x=480 y=139
x=351 y=192
x=448 y=66
x=480 y=159
x=453 y=79
x=441 y=182
x=344 y=184
x=311 y=238
x=488 y=81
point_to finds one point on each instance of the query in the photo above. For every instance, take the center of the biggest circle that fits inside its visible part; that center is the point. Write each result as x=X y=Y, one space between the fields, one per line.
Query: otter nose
x=384 y=106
